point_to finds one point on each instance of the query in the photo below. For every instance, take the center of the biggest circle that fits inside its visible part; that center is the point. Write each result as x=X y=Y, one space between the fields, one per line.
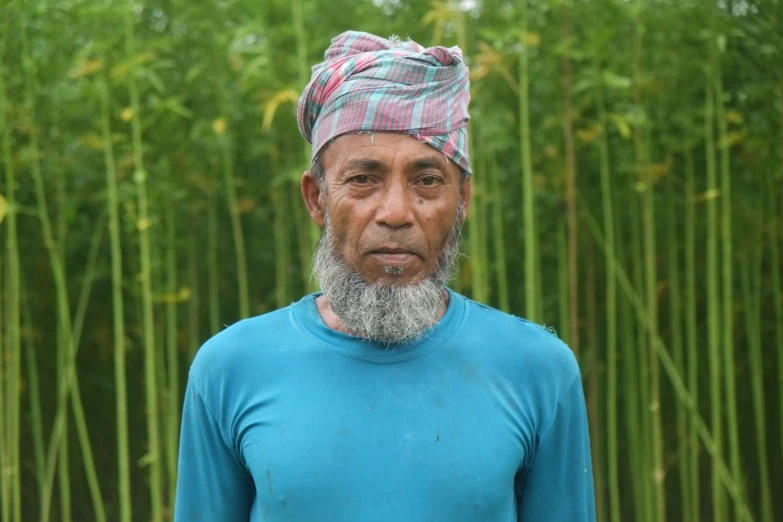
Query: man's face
x=391 y=203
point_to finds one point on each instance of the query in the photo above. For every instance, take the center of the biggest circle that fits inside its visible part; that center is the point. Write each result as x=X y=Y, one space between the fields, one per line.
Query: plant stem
x=118 y=312
x=691 y=334
x=143 y=225
x=611 y=309
x=528 y=202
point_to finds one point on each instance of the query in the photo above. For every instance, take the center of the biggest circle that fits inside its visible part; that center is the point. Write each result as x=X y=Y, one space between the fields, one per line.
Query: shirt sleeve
x=212 y=483
x=558 y=485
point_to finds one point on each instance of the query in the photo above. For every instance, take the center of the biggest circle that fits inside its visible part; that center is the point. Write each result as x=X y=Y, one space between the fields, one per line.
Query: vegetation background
x=628 y=192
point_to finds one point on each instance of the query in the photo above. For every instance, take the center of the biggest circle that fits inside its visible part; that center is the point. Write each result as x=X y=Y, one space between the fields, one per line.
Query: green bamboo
x=282 y=250
x=713 y=303
x=528 y=202
x=227 y=159
x=69 y=380
x=562 y=282
x=643 y=355
x=118 y=313
x=498 y=239
x=153 y=460
x=308 y=232
x=591 y=381
x=694 y=491
x=36 y=422
x=194 y=317
x=570 y=157
x=750 y=272
x=651 y=283
x=662 y=352
x=777 y=289
x=212 y=266
x=611 y=309
x=11 y=488
x=631 y=379
x=675 y=319
x=172 y=358
x=728 y=287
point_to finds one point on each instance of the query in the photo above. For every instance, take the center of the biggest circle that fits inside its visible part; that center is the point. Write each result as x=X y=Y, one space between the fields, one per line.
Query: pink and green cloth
x=370 y=84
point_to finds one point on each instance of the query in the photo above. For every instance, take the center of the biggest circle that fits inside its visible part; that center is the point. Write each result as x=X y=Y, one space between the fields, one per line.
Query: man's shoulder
x=243 y=344
x=518 y=342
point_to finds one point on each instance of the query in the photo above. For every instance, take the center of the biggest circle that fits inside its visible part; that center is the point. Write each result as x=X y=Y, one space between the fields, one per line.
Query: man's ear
x=465 y=196
x=311 y=192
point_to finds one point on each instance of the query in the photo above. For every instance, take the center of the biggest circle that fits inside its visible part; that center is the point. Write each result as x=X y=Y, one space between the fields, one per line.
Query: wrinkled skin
x=391 y=202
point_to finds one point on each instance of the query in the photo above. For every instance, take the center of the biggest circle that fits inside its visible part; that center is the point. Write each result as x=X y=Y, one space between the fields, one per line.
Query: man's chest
x=443 y=447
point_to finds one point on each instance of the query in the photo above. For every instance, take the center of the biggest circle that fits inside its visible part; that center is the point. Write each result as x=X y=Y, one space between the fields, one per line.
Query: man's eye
x=429 y=181
x=361 y=180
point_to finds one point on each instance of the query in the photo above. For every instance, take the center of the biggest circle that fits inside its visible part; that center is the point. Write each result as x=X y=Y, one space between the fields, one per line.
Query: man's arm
x=558 y=485
x=212 y=483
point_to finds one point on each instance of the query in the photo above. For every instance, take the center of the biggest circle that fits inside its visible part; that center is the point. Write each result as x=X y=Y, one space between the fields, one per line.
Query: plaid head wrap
x=371 y=84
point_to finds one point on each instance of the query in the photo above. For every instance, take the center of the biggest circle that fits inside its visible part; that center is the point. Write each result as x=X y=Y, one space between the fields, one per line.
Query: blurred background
x=628 y=192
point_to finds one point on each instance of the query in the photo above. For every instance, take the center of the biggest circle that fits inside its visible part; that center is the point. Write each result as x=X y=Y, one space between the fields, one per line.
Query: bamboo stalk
x=118 y=313
x=172 y=358
x=642 y=344
x=498 y=239
x=593 y=399
x=713 y=311
x=568 y=141
x=10 y=495
x=36 y=422
x=777 y=289
x=651 y=283
x=150 y=372
x=662 y=352
x=194 y=318
x=308 y=232
x=691 y=335
x=728 y=287
x=675 y=315
x=212 y=264
x=611 y=309
x=562 y=282
x=631 y=401
x=528 y=201
x=750 y=273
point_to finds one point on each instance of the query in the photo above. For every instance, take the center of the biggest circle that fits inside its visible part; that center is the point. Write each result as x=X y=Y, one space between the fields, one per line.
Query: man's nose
x=396 y=207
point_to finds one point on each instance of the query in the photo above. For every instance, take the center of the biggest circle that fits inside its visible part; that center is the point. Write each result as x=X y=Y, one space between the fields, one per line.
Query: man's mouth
x=394 y=255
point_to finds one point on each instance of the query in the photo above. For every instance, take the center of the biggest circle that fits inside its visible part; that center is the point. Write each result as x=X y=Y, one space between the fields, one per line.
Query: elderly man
x=386 y=396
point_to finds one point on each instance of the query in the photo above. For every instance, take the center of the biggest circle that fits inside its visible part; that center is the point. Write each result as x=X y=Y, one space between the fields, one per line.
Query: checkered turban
x=371 y=84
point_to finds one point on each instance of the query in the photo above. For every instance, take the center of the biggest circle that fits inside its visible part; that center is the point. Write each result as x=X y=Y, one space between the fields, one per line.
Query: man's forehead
x=382 y=147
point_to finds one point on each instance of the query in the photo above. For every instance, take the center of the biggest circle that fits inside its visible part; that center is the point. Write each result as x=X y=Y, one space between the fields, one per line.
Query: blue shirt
x=287 y=420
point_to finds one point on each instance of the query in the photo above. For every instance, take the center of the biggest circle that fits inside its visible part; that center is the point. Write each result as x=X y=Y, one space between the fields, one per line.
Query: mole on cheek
x=421 y=202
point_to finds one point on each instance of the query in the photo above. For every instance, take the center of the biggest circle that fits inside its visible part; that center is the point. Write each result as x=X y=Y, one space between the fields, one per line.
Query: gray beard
x=389 y=314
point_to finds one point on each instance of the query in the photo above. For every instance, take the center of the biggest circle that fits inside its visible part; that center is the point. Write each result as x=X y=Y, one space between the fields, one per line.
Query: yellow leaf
x=119 y=71
x=550 y=151
x=532 y=39
x=706 y=196
x=92 y=141
x=184 y=294
x=219 y=126
x=734 y=117
x=3 y=208
x=588 y=135
x=143 y=224
x=271 y=106
x=126 y=114
x=85 y=68
x=622 y=125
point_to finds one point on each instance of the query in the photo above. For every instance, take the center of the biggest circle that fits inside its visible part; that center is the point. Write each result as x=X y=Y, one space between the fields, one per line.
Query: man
x=386 y=396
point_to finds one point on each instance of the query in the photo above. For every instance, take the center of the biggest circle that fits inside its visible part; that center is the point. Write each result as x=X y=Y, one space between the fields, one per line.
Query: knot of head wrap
x=371 y=84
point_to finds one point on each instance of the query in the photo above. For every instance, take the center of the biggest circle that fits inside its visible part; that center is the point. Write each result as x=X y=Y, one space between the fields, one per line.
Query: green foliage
x=628 y=155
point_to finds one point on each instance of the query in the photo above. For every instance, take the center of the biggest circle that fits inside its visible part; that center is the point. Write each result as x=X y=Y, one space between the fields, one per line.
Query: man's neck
x=333 y=321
